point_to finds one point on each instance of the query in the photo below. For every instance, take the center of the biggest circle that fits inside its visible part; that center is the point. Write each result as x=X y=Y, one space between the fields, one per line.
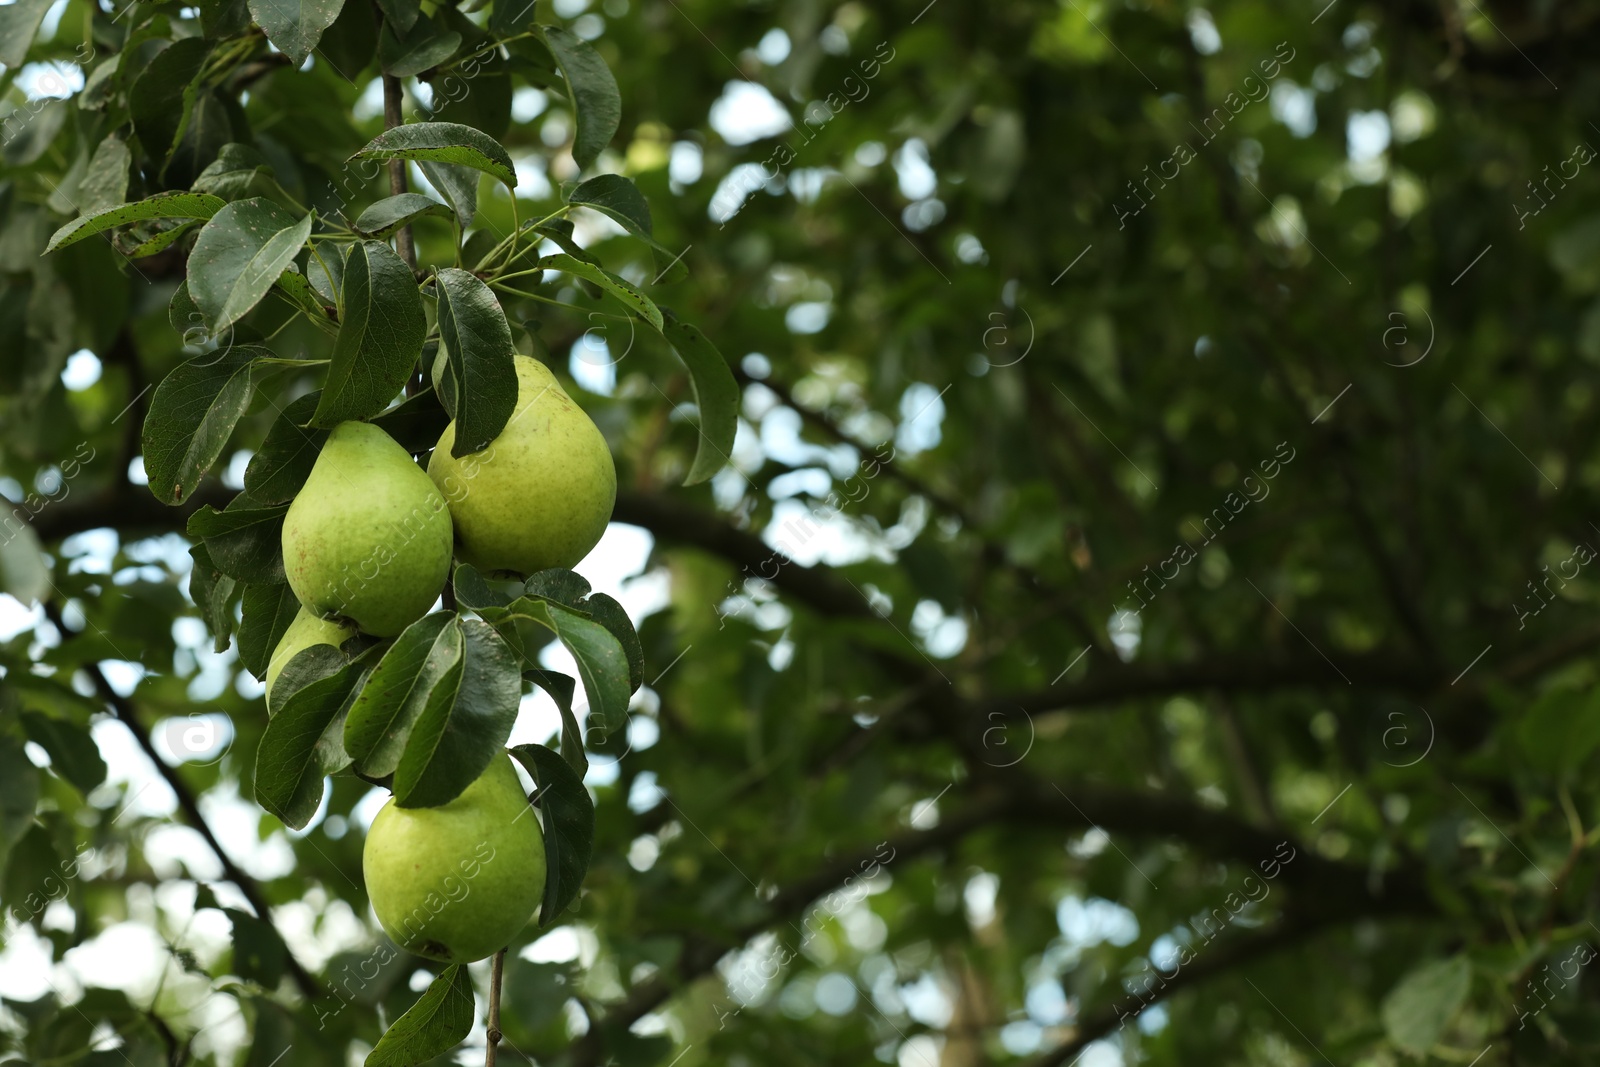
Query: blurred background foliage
x=1181 y=420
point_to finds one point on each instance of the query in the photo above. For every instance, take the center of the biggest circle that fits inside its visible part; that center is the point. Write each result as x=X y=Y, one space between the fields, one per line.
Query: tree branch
x=124 y=711
x=1327 y=891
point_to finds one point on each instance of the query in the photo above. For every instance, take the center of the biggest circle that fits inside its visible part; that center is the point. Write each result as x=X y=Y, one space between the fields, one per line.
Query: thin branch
x=123 y=709
x=496 y=975
x=393 y=98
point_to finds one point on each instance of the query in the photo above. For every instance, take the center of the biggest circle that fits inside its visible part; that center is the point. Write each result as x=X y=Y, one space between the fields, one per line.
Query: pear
x=457 y=882
x=541 y=494
x=306 y=630
x=368 y=537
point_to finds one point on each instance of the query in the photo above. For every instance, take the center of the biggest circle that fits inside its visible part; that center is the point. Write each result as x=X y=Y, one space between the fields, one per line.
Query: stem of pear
x=496 y=972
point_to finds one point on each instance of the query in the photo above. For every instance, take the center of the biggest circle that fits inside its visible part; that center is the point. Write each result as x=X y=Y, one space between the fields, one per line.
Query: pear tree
x=402 y=549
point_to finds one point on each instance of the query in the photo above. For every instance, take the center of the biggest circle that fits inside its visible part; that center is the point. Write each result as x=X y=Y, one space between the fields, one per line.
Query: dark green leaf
x=468 y=716
x=416 y=422
x=267 y=612
x=602 y=663
x=606 y=611
x=477 y=341
x=618 y=198
x=398 y=691
x=391 y=213
x=213 y=593
x=18 y=24
x=567 y=812
x=284 y=461
x=73 y=753
x=258 y=952
x=1416 y=1012
x=511 y=17
x=192 y=415
x=160 y=206
x=239 y=255
x=458 y=185
x=562 y=689
x=443 y=142
x=423 y=46
x=19 y=793
x=245 y=543
x=224 y=18
x=595 y=99
x=716 y=394
x=240 y=171
x=303 y=741
x=402 y=14
x=631 y=298
x=435 y=1024
x=295 y=26
x=381 y=325
x=163 y=96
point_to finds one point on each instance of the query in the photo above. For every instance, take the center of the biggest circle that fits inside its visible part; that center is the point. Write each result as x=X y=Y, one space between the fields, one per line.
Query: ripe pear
x=368 y=537
x=541 y=494
x=306 y=630
x=457 y=882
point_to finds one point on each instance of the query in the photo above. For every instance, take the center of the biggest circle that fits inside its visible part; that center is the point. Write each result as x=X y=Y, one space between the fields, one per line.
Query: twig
x=496 y=973
x=393 y=97
x=123 y=709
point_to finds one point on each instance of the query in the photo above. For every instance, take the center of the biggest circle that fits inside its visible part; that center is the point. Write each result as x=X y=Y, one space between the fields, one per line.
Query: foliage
x=1129 y=591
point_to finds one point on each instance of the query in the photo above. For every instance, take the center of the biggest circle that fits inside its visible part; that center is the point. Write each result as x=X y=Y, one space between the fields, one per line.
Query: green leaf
x=163 y=239
x=296 y=289
x=602 y=663
x=401 y=14
x=302 y=743
x=213 y=593
x=443 y=142
x=24 y=573
x=19 y=22
x=267 y=612
x=295 y=26
x=259 y=953
x=164 y=94
x=416 y=422
x=224 y=18
x=393 y=212
x=619 y=199
x=238 y=172
x=567 y=812
x=458 y=185
x=325 y=271
x=381 y=326
x=398 y=691
x=477 y=342
x=570 y=588
x=561 y=689
x=192 y=415
x=465 y=724
x=435 y=1024
x=105 y=183
x=239 y=255
x=1417 y=1010
x=511 y=17
x=73 y=753
x=421 y=48
x=245 y=543
x=19 y=793
x=1560 y=731
x=631 y=298
x=160 y=206
x=284 y=461
x=716 y=394
x=595 y=99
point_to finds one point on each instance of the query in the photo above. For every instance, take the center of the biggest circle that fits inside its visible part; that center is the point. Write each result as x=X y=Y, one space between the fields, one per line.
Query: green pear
x=541 y=494
x=456 y=883
x=368 y=537
x=306 y=630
